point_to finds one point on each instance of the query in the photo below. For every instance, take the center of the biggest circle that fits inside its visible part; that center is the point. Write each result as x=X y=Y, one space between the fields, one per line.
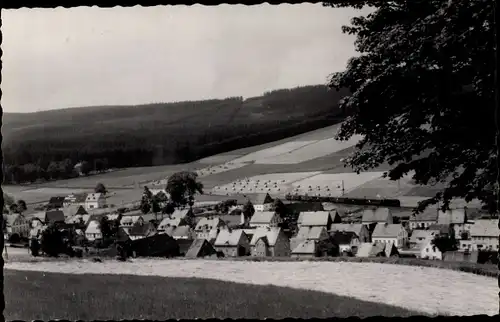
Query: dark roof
x=343 y=237
x=429 y=214
x=443 y=229
x=199 y=248
x=303 y=206
x=140 y=229
x=81 y=211
x=80 y=197
x=255 y=198
x=53 y=216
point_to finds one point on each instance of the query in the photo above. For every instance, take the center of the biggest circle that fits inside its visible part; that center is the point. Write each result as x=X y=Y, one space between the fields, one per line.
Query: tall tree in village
x=422 y=85
x=182 y=187
x=279 y=207
x=100 y=188
x=248 y=211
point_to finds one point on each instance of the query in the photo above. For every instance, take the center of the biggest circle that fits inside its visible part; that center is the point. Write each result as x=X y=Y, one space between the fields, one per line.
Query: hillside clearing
x=46 y=296
x=431 y=290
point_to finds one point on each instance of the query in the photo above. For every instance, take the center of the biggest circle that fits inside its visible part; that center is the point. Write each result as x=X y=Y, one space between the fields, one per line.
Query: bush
x=52 y=241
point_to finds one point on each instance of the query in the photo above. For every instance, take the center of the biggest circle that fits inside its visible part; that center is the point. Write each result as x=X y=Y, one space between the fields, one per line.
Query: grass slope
x=44 y=296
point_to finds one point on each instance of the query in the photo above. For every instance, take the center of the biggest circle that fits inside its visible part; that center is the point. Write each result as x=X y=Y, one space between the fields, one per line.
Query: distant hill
x=160 y=133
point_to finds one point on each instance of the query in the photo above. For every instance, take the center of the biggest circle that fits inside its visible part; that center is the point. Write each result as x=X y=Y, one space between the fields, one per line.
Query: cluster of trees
x=157 y=134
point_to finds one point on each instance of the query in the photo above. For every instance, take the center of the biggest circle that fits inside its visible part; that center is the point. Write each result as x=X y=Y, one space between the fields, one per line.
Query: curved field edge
x=46 y=296
x=430 y=290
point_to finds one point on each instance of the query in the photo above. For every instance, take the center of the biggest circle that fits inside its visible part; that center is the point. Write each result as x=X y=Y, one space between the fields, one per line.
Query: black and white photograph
x=267 y=161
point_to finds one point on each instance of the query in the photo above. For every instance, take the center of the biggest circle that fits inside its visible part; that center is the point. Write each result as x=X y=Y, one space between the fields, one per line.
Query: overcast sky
x=58 y=58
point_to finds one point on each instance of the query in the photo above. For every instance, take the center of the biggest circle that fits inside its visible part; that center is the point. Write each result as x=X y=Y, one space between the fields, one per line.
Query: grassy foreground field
x=44 y=296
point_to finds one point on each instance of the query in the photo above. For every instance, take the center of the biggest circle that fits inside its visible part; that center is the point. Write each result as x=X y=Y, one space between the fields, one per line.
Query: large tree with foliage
x=422 y=94
x=182 y=187
x=100 y=188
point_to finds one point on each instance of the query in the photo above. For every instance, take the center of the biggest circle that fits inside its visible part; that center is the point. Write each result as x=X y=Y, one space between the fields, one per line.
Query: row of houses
x=86 y=200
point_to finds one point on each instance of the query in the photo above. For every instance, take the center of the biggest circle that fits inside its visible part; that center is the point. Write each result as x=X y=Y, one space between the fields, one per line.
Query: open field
x=431 y=290
x=46 y=296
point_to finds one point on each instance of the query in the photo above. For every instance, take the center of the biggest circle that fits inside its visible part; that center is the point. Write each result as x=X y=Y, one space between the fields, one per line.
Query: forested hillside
x=46 y=145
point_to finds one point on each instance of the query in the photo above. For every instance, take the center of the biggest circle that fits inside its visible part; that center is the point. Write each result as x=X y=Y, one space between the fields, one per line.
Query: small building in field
x=424 y=219
x=232 y=243
x=265 y=219
x=306 y=249
x=359 y=229
x=200 y=248
x=93 y=231
x=377 y=215
x=484 y=235
x=270 y=241
x=390 y=233
x=95 y=201
x=141 y=230
x=75 y=199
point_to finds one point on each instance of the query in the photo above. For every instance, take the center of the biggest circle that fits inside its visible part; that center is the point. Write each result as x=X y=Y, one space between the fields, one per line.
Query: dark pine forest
x=47 y=145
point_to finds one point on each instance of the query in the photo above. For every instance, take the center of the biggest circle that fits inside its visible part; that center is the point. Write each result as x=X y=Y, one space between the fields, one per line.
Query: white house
x=260 y=201
x=424 y=219
x=95 y=201
x=429 y=251
x=207 y=228
x=390 y=233
x=93 y=231
x=484 y=234
x=377 y=215
x=232 y=243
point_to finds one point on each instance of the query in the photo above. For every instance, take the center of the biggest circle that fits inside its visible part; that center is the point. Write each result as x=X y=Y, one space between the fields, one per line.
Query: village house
x=93 y=231
x=129 y=221
x=141 y=230
x=95 y=201
x=306 y=249
x=270 y=241
x=171 y=222
x=429 y=251
x=17 y=224
x=377 y=215
x=208 y=228
x=317 y=233
x=200 y=248
x=315 y=219
x=260 y=201
x=264 y=219
x=423 y=220
x=456 y=219
x=484 y=234
x=347 y=241
x=359 y=229
x=56 y=202
x=390 y=233
x=232 y=243
x=75 y=199
x=54 y=216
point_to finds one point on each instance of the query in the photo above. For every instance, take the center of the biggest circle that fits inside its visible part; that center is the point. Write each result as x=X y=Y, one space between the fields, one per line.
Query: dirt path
x=430 y=290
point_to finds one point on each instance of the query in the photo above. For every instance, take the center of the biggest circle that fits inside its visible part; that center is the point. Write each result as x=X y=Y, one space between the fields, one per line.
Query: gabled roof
x=130 y=219
x=387 y=230
x=81 y=211
x=343 y=237
x=262 y=217
x=169 y=230
x=376 y=215
x=56 y=200
x=303 y=232
x=94 y=197
x=228 y=238
x=314 y=218
x=197 y=246
x=429 y=214
x=93 y=228
x=485 y=228
x=316 y=232
x=355 y=228
x=169 y=222
x=208 y=224
x=54 y=216
x=364 y=250
x=453 y=216
x=271 y=235
x=306 y=247
x=257 y=198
